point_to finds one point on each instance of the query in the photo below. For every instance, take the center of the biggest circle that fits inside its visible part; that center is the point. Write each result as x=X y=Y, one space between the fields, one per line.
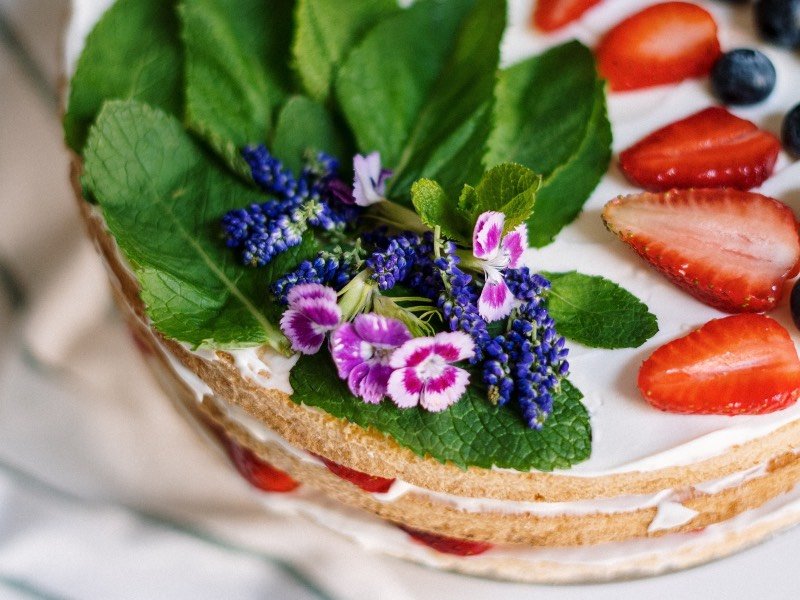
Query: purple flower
x=496 y=253
x=362 y=350
x=312 y=313
x=369 y=183
x=423 y=374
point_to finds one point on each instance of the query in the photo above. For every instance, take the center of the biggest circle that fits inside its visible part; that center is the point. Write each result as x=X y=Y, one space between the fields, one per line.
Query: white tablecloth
x=105 y=492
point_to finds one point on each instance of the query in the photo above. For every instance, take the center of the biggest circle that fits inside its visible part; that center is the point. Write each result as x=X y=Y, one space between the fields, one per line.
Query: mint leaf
x=507 y=188
x=597 y=312
x=472 y=432
x=550 y=115
x=418 y=86
x=133 y=52
x=162 y=199
x=435 y=208
x=237 y=73
x=305 y=125
x=325 y=33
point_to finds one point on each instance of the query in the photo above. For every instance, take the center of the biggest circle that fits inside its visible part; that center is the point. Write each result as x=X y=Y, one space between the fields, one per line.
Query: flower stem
x=394 y=215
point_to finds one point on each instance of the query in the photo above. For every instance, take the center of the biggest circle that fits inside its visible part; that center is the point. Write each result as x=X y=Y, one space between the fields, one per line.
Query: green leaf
x=550 y=115
x=302 y=125
x=162 y=199
x=436 y=209
x=597 y=312
x=133 y=52
x=507 y=188
x=237 y=73
x=325 y=33
x=472 y=432
x=418 y=86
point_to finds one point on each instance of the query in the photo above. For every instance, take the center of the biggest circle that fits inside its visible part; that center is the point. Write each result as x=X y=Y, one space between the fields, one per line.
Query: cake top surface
x=607 y=378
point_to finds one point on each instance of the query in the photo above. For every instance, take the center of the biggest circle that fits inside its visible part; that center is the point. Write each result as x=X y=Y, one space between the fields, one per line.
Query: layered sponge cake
x=438 y=349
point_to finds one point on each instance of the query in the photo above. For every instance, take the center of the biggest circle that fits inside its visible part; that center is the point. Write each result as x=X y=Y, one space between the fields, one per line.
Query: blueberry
x=794 y=302
x=743 y=76
x=779 y=21
x=791 y=132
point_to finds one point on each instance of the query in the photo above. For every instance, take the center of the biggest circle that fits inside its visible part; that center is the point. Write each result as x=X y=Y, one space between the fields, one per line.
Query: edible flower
x=423 y=374
x=369 y=183
x=362 y=350
x=495 y=253
x=311 y=314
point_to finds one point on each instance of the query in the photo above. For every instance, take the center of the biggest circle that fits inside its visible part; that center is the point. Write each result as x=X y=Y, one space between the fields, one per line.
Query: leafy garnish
x=237 y=69
x=325 y=32
x=550 y=115
x=472 y=432
x=417 y=88
x=305 y=125
x=133 y=52
x=507 y=188
x=162 y=199
x=597 y=312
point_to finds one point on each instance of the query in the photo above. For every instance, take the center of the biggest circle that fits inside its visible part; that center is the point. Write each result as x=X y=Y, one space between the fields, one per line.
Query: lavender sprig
x=529 y=361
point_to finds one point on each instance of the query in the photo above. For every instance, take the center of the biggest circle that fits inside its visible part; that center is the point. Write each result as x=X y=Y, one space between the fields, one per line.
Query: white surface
x=89 y=450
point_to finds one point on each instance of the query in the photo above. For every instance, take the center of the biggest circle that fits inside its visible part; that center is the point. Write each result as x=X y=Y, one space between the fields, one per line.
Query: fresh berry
x=550 y=15
x=448 y=545
x=738 y=365
x=665 y=43
x=743 y=76
x=711 y=148
x=368 y=483
x=778 y=21
x=259 y=473
x=790 y=131
x=732 y=250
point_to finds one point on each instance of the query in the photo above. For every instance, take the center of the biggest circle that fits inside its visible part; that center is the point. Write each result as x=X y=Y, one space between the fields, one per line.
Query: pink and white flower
x=362 y=350
x=496 y=252
x=312 y=313
x=423 y=374
x=369 y=184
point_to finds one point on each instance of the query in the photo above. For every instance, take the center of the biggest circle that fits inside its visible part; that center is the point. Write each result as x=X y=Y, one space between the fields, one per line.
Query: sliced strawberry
x=550 y=15
x=258 y=472
x=743 y=364
x=367 y=482
x=711 y=148
x=448 y=545
x=730 y=249
x=665 y=43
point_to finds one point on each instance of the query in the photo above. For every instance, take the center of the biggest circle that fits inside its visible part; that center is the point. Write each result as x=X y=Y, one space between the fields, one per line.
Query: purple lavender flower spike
x=312 y=313
x=423 y=374
x=361 y=351
x=497 y=253
x=369 y=183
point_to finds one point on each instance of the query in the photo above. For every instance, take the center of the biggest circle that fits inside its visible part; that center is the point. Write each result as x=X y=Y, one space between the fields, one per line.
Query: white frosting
x=671 y=514
x=628 y=435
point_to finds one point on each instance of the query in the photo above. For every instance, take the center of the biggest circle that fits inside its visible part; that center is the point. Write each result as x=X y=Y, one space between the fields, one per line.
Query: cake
x=588 y=482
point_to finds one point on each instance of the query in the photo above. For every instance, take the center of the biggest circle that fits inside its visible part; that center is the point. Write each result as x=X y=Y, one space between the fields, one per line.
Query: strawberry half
x=367 y=482
x=448 y=545
x=743 y=364
x=550 y=15
x=259 y=473
x=665 y=43
x=730 y=249
x=711 y=148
